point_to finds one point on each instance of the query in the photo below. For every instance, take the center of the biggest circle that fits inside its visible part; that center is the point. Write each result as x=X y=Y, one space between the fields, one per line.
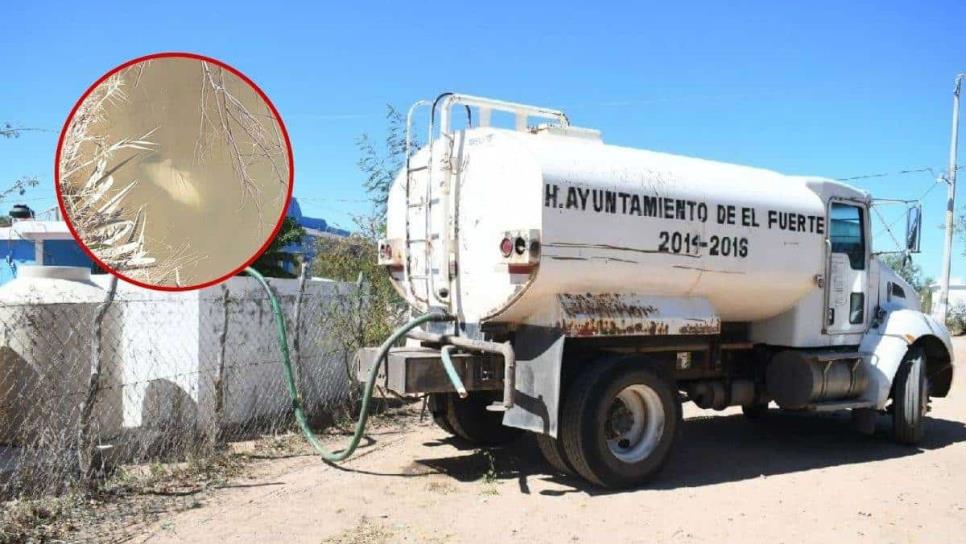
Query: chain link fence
x=98 y=376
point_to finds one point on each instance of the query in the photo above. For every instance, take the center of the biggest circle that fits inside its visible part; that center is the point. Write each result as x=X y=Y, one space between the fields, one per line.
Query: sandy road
x=788 y=478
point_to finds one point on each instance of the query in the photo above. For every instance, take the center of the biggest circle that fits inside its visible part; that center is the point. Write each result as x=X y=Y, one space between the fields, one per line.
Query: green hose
x=333 y=457
x=454 y=377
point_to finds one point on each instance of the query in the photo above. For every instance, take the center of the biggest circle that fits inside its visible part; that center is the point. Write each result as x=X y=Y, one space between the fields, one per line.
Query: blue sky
x=827 y=88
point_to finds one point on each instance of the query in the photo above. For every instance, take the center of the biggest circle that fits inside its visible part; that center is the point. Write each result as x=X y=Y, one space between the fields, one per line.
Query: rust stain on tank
x=701 y=327
x=610 y=327
x=618 y=315
x=605 y=304
x=608 y=314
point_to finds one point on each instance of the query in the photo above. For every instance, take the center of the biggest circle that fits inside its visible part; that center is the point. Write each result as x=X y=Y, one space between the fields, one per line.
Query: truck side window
x=897 y=291
x=856 y=308
x=847 y=233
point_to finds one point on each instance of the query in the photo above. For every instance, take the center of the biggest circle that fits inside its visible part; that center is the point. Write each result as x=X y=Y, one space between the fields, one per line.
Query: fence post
x=297 y=336
x=217 y=435
x=358 y=335
x=361 y=287
x=85 y=454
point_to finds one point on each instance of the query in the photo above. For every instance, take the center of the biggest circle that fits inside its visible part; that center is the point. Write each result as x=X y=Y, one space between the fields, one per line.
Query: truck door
x=846 y=291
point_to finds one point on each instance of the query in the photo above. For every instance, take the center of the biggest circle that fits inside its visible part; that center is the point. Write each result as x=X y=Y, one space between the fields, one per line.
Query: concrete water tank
x=46 y=322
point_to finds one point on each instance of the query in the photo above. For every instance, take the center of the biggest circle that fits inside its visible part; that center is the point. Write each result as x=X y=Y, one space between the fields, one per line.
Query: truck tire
x=618 y=423
x=754 y=411
x=442 y=422
x=552 y=450
x=910 y=398
x=437 y=407
x=470 y=420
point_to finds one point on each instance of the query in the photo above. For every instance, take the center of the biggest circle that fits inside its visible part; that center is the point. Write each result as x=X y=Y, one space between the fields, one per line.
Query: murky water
x=213 y=181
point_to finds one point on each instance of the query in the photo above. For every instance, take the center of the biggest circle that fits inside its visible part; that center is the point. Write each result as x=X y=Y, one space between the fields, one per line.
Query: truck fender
x=884 y=347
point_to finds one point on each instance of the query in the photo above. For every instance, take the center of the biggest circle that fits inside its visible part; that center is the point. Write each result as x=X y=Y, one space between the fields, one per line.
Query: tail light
x=521 y=249
x=389 y=253
x=506 y=247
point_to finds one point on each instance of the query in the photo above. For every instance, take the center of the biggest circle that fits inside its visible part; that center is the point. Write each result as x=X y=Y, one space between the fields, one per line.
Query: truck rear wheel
x=754 y=411
x=619 y=423
x=470 y=420
x=554 y=453
x=910 y=398
x=437 y=406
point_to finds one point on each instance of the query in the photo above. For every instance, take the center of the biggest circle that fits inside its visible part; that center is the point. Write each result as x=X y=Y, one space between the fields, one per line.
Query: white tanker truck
x=583 y=291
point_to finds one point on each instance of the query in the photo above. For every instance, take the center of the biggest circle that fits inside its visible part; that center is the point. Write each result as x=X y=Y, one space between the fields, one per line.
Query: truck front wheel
x=910 y=398
x=618 y=423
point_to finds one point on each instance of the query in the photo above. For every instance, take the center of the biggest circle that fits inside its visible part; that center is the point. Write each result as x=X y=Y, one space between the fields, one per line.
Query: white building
x=41 y=240
x=957 y=292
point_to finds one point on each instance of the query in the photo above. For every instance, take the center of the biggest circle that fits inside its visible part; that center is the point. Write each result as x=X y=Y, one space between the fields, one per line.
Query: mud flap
x=537 y=394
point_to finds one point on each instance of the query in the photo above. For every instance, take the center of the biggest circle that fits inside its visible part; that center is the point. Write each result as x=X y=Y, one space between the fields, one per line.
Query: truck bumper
x=415 y=370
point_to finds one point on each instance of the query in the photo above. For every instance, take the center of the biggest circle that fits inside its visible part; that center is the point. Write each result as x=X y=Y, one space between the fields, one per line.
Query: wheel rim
x=635 y=423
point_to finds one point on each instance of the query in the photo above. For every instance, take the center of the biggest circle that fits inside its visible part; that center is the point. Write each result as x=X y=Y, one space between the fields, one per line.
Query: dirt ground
x=787 y=478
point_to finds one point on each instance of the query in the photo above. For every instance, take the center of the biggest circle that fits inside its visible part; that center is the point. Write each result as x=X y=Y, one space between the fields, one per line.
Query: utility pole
x=943 y=307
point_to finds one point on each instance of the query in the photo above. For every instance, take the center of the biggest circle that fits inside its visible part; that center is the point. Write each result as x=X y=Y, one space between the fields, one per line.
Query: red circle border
x=243 y=77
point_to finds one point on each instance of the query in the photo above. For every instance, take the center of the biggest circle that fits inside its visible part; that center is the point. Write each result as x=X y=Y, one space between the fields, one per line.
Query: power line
x=931 y=171
x=888 y=227
x=321 y=199
x=931 y=187
x=888 y=174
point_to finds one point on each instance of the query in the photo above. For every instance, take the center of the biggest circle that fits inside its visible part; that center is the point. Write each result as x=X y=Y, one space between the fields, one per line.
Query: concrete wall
x=171 y=352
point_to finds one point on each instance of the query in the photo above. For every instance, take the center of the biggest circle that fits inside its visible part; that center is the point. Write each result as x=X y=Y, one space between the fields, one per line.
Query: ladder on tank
x=424 y=205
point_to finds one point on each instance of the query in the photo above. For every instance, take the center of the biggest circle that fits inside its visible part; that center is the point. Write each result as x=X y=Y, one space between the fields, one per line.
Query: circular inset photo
x=174 y=171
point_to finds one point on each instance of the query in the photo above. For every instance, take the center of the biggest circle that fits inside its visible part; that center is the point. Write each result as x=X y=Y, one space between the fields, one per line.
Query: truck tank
x=583 y=217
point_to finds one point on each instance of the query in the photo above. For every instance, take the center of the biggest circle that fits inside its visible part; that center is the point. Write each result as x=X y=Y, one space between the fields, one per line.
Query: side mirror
x=913 y=228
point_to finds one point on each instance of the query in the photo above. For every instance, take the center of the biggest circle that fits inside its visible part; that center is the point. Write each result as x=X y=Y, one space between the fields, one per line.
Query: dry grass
x=99 y=208
x=47 y=520
x=365 y=532
x=95 y=206
x=135 y=496
x=440 y=487
x=226 y=117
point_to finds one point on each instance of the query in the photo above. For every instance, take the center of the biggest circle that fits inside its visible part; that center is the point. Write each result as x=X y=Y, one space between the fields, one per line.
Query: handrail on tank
x=407 y=270
x=444 y=104
x=409 y=124
x=446 y=101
